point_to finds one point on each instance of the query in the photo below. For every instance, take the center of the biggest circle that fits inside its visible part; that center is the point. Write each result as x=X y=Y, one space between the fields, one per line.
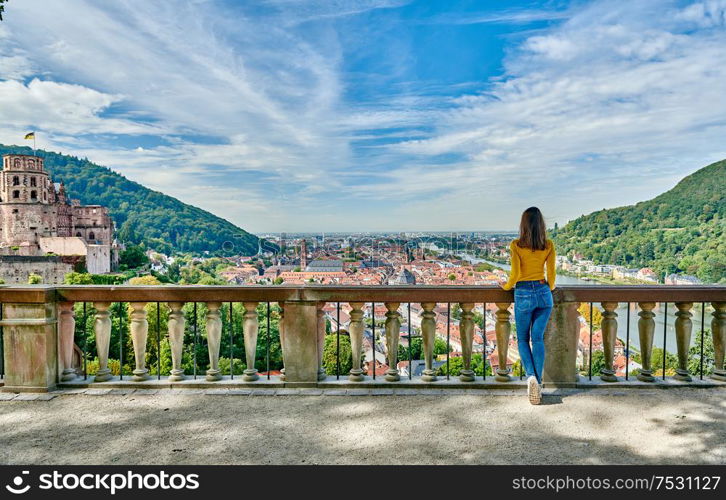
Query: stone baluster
x=67 y=330
x=609 y=327
x=718 y=332
x=393 y=333
x=321 y=340
x=503 y=329
x=466 y=331
x=683 y=339
x=251 y=329
x=355 y=330
x=428 y=333
x=139 y=334
x=102 y=330
x=646 y=331
x=176 y=326
x=281 y=329
x=214 y=336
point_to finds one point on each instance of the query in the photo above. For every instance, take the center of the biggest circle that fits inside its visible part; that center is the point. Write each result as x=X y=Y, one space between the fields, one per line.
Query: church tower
x=303 y=255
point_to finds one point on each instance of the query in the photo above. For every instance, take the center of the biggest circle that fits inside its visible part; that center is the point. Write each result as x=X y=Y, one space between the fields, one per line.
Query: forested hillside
x=141 y=214
x=681 y=230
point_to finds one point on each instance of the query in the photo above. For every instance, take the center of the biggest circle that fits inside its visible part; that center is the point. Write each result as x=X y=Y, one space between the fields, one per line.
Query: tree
x=78 y=279
x=417 y=348
x=694 y=354
x=456 y=364
x=144 y=280
x=34 y=279
x=584 y=311
x=598 y=362
x=133 y=257
x=330 y=355
x=2 y=9
x=656 y=362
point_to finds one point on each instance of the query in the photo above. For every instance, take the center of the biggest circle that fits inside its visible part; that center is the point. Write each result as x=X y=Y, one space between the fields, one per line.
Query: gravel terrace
x=290 y=426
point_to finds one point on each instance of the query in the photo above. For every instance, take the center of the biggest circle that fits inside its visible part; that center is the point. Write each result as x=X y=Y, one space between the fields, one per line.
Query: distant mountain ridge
x=142 y=215
x=680 y=231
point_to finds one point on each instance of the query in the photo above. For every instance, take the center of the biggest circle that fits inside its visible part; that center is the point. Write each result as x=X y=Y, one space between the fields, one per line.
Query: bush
x=238 y=366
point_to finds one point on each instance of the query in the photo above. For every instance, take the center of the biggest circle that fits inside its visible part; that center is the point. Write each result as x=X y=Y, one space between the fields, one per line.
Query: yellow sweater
x=528 y=264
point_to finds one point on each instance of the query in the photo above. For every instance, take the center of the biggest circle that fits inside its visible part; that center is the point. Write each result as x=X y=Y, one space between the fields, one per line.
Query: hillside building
x=45 y=233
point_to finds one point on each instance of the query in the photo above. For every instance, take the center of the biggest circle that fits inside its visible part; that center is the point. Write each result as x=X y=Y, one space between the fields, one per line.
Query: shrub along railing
x=52 y=334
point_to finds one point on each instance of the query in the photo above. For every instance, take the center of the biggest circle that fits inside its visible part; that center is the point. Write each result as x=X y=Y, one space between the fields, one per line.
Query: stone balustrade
x=38 y=329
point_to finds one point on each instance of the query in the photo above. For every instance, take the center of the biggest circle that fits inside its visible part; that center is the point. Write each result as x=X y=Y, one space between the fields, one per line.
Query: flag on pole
x=31 y=135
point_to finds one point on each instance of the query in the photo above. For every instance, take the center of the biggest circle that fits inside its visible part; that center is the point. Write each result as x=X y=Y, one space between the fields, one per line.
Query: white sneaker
x=534 y=392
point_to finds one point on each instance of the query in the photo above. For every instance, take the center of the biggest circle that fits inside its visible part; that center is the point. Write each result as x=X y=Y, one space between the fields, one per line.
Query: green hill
x=141 y=214
x=681 y=230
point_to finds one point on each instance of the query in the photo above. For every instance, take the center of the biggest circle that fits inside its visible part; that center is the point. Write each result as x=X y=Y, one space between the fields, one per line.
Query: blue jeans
x=532 y=308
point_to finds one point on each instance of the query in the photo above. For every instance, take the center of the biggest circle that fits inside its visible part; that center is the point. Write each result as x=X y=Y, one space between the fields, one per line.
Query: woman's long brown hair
x=532 y=230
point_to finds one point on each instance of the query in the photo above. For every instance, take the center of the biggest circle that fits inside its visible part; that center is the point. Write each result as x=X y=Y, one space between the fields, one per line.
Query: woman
x=532 y=294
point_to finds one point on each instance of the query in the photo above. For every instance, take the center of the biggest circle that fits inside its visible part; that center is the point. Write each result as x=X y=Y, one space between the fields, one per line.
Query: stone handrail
x=38 y=326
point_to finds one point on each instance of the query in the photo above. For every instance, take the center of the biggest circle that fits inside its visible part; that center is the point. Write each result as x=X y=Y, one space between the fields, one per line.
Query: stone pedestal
x=31 y=347
x=561 y=338
x=300 y=342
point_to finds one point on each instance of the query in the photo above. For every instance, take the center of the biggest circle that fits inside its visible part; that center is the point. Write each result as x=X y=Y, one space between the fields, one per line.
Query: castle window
x=32 y=182
x=34 y=195
x=16 y=194
x=91 y=236
x=16 y=180
x=78 y=235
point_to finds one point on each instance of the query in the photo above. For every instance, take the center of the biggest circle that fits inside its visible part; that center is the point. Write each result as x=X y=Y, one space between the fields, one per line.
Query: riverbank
x=604 y=280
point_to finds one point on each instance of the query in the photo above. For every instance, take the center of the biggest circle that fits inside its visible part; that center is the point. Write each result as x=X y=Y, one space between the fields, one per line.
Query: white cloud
x=612 y=105
x=629 y=86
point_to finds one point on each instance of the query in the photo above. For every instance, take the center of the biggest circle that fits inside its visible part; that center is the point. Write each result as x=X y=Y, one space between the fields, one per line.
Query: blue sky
x=345 y=115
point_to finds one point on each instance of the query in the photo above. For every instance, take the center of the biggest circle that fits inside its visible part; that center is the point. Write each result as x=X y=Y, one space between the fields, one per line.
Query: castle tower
x=65 y=213
x=23 y=180
x=25 y=201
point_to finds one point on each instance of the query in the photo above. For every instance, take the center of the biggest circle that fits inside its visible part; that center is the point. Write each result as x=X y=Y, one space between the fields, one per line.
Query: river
x=622 y=312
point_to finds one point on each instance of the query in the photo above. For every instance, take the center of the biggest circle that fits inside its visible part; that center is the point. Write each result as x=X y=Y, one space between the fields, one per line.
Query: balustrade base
x=68 y=374
x=379 y=383
x=24 y=388
x=682 y=375
x=103 y=376
x=140 y=375
x=719 y=375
